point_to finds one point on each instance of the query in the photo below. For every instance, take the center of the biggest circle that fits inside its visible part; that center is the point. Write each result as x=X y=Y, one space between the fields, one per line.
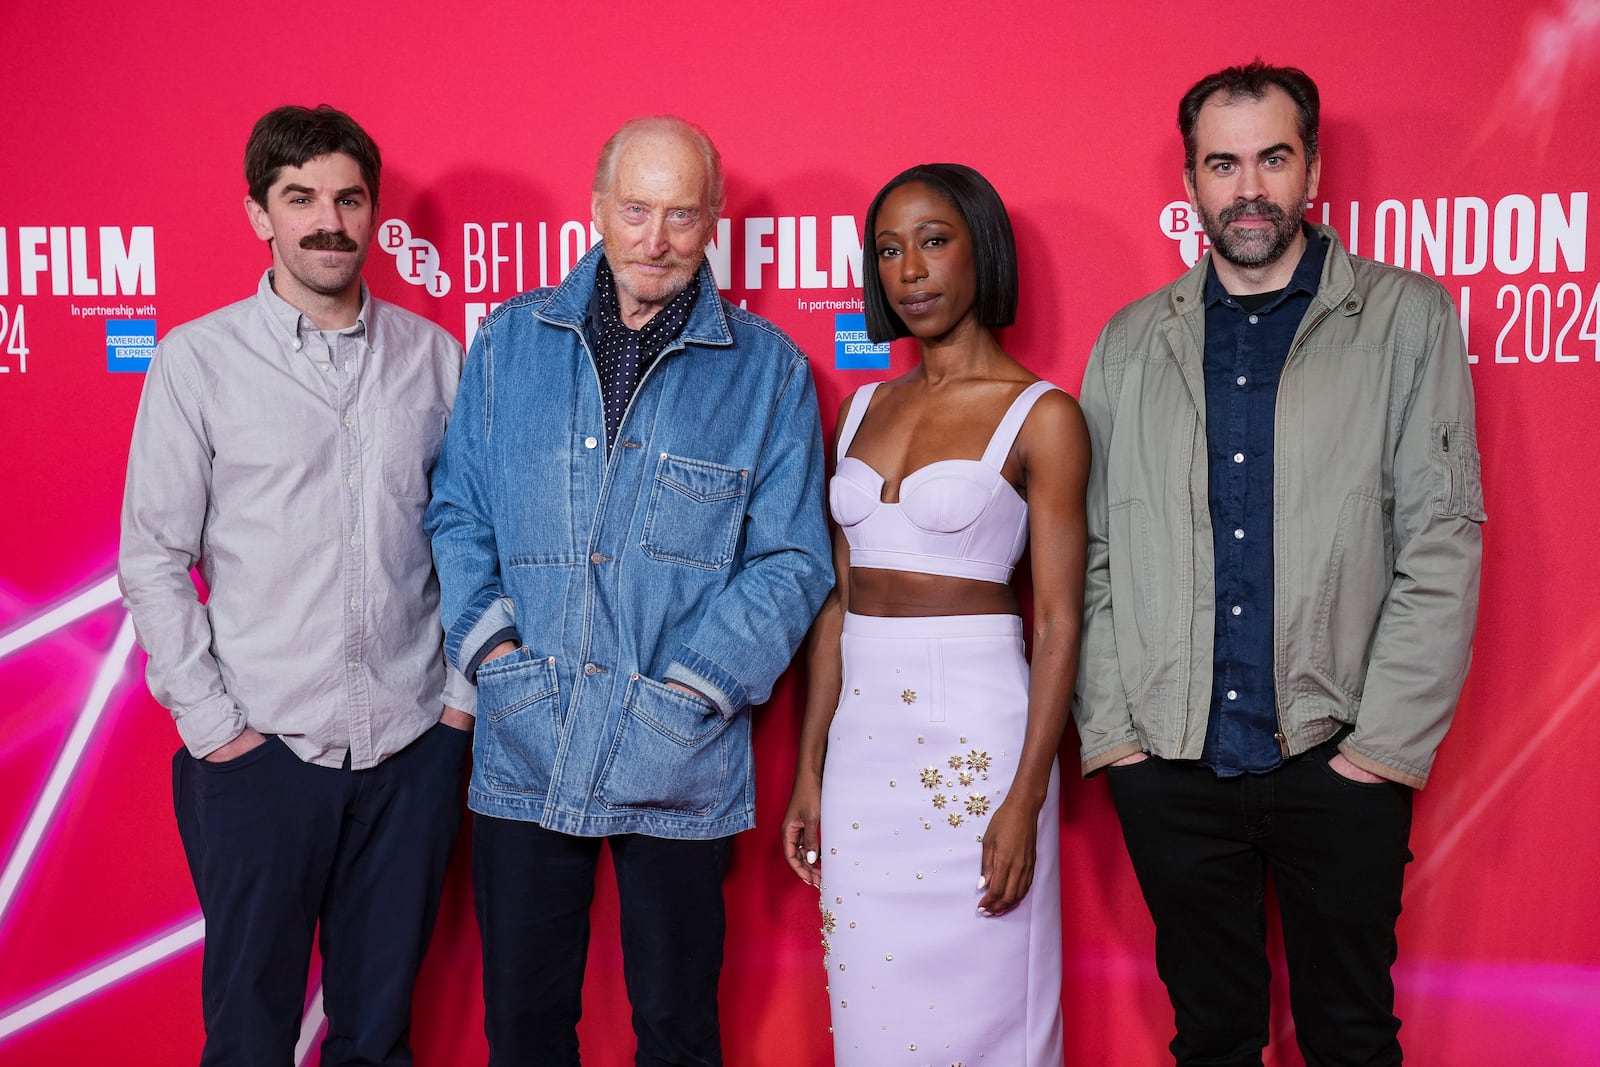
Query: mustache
x=670 y=259
x=1247 y=209
x=327 y=241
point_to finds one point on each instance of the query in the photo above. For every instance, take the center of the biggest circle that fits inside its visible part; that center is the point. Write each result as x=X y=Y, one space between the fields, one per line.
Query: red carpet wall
x=1458 y=139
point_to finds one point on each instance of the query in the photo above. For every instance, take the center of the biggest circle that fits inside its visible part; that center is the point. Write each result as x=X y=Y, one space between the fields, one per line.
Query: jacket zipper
x=1277 y=698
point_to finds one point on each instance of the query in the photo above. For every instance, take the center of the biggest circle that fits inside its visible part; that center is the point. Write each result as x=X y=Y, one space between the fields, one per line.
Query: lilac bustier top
x=958 y=517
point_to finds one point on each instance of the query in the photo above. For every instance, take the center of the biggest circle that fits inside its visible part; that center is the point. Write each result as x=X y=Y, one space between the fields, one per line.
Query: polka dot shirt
x=622 y=355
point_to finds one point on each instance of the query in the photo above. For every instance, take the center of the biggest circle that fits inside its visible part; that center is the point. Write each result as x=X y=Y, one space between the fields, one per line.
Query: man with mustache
x=283 y=444
x=1284 y=541
x=627 y=519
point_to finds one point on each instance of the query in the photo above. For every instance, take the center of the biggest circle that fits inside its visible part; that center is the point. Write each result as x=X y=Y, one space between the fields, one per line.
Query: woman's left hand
x=1008 y=858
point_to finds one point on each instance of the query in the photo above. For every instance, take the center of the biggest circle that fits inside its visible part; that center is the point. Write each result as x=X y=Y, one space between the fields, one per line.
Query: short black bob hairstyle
x=994 y=247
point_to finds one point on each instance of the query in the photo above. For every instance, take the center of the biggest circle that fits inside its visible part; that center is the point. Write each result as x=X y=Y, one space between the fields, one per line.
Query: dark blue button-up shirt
x=1247 y=343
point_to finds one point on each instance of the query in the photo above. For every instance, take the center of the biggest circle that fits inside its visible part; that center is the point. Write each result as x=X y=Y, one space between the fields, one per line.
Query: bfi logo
x=415 y=260
x=1180 y=222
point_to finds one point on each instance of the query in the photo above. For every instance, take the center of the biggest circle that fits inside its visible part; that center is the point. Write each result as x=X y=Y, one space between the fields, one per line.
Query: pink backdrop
x=1459 y=139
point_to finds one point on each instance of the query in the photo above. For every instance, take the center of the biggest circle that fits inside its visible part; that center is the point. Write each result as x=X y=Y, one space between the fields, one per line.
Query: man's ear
x=260 y=221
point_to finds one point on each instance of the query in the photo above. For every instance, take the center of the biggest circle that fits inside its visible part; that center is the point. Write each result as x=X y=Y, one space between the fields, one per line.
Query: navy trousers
x=533 y=888
x=277 y=847
x=1337 y=849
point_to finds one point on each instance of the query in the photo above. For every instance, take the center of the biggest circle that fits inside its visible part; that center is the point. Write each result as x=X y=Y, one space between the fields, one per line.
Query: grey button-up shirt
x=292 y=464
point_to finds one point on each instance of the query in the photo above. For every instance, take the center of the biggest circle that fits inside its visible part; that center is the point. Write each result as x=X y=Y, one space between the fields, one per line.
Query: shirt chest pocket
x=408 y=445
x=695 y=512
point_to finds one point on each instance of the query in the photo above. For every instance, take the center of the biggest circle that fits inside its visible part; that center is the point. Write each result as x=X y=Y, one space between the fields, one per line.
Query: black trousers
x=1336 y=849
x=278 y=846
x=533 y=888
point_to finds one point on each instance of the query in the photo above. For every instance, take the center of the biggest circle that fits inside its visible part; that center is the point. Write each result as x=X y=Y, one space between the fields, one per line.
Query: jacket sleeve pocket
x=1456 y=472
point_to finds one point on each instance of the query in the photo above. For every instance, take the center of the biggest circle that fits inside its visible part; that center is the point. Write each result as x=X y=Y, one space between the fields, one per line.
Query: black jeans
x=276 y=847
x=1337 y=849
x=533 y=888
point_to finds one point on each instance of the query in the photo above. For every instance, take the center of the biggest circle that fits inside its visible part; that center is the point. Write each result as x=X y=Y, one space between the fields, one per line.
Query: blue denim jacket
x=698 y=554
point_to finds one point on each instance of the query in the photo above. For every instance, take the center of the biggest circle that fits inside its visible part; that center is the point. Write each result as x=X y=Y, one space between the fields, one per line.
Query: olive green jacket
x=1377 y=506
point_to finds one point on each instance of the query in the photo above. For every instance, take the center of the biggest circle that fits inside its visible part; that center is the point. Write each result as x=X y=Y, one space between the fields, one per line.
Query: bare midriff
x=910 y=594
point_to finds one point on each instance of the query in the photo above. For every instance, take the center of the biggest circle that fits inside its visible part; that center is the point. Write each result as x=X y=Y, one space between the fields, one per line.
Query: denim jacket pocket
x=672 y=752
x=409 y=442
x=696 y=509
x=519 y=722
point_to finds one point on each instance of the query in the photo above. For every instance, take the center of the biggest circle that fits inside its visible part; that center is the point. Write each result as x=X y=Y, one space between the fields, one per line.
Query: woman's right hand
x=801 y=831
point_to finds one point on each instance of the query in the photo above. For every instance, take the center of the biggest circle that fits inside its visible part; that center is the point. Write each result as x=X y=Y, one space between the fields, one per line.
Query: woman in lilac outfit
x=925 y=797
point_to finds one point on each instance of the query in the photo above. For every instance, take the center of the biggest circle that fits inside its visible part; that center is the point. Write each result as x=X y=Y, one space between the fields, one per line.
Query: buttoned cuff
x=208 y=726
x=458 y=692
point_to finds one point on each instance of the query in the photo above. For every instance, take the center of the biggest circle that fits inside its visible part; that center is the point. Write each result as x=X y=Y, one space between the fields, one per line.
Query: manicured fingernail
x=985 y=912
x=811 y=855
x=983 y=880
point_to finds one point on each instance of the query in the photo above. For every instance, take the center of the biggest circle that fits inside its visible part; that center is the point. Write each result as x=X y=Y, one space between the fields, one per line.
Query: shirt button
x=1237 y=610
x=1240 y=379
x=590 y=442
x=354 y=540
x=1233 y=694
x=1238 y=457
x=1238 y=535
x=1254 y=320
x=350 y=480
x=349 y=420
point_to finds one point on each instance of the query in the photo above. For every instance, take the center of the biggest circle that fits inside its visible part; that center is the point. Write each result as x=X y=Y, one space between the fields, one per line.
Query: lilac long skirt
x=921 y=752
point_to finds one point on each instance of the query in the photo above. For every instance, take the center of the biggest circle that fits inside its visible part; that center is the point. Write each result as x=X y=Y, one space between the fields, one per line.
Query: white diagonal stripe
x=44 y=808
x=310 y=1026
x=92 y=599
x=92 y=982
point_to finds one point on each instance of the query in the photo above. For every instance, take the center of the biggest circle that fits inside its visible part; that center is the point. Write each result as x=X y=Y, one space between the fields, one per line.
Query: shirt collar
x=1307 y=273
x=294 y=324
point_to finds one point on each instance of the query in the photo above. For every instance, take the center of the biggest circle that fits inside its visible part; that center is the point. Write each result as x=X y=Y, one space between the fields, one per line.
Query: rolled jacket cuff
x=486 y=622
x=1373 y=765
x=707 y=677
x=1107 y=754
